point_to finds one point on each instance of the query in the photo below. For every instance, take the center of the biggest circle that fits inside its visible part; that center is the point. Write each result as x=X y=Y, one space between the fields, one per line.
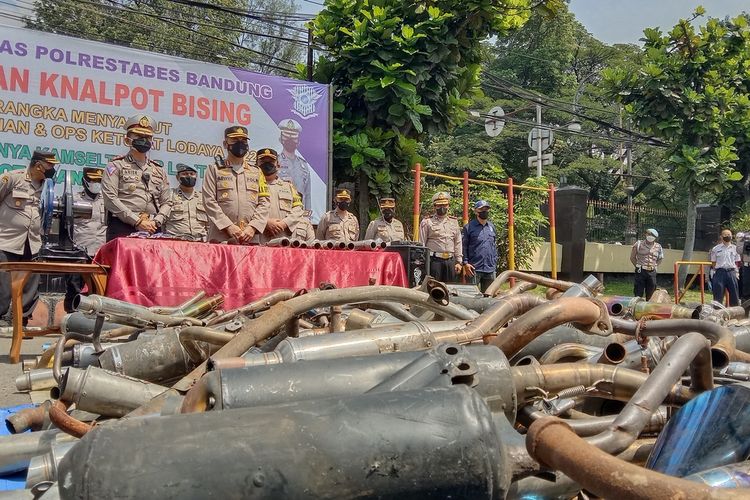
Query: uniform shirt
x=187 y=217
x=442 y=235
x=285 y=205
x=90 y=233
x=724 y=256
x=645 y=255
x=334 y=227
x=230 y=197
x=20 y=218
x=386 y=231
x=127 y=196
x=479 y=246
x=297 y=170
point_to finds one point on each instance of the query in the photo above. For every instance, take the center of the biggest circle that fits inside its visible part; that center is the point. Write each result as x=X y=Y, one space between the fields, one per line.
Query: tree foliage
x=401 y=71
x=692 y=90
x=176 y=29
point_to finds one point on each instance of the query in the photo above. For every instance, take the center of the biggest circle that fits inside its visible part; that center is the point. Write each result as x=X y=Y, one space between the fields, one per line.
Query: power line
x=542 y=100
x=563 y=130
x=192 y=30
x=551 y=99
x=299 y=41
x=89 y=36
x=204 y=5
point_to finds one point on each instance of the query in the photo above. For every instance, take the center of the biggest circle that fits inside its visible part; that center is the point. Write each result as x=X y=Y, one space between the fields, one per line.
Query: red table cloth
x=168 y=272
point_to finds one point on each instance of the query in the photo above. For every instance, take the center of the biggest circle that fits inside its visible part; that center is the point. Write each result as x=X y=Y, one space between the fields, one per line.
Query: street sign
x=547 y=138
x=547 y=159
x=493 y=126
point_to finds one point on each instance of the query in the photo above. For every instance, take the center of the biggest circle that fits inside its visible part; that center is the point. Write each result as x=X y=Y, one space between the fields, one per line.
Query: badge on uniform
x=111 y=169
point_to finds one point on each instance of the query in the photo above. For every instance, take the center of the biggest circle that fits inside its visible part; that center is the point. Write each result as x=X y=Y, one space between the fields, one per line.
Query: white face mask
x=650 y=238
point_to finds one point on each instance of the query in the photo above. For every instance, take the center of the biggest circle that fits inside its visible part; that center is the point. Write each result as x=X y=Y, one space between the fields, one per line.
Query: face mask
x=483 y=214
x=188 y=181
x=268 y=168
x=49 y=173
x=650 y=238
x=239 y=149
x=726 y=238
x=142 y=144
x=343 y=205
x=92 y=188
x=388 y=214
x=441 y=210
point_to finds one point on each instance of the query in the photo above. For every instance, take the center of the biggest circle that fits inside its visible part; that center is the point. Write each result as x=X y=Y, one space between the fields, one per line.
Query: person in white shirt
x=724 y=260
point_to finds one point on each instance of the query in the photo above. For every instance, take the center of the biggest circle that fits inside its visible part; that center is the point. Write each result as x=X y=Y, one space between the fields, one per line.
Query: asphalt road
x=8 y=372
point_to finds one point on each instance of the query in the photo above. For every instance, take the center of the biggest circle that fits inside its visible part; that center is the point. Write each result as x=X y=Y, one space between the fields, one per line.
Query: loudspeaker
x=416 y=260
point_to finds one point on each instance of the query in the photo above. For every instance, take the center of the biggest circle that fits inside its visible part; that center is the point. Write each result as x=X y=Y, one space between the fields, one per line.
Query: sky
x=623 y=21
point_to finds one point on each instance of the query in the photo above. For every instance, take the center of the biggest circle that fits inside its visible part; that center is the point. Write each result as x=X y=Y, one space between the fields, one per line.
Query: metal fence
x=608 y=223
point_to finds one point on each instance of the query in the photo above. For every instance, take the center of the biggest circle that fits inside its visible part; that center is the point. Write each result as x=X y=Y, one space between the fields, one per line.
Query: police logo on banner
x=305 y=100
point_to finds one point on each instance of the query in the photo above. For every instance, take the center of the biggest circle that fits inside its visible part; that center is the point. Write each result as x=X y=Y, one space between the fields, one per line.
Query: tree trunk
x=687 y=253
x=363 y=202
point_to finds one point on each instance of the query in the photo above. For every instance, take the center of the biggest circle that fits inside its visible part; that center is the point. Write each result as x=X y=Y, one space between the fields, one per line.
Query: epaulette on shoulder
x=121 y=157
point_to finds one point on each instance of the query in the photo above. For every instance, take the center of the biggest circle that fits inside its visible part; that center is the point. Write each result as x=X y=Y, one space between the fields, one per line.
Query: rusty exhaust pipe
x=494 y=287
x=588 y=313
x=555 y=445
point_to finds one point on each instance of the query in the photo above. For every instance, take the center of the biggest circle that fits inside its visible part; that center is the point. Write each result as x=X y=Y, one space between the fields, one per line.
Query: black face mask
x=239 y=149
x=726 y=238
x=268 y=168
x=188 y=181
x=441 y=210
x=388 y=214
x=483 y=214
x=343 y=205
x=49 y=173
x=142 y=144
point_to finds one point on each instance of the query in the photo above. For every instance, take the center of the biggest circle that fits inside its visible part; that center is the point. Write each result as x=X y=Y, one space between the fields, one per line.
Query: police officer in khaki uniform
x=89 y=233
x=235 y=193
x=285 y=209
x=187 y=218
x=442 y=235
x=339 y=224
x=386 y=227
x=20 y=224
x=135 y=188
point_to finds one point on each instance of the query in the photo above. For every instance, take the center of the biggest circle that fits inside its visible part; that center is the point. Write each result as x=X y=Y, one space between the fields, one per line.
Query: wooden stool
x=94 y=275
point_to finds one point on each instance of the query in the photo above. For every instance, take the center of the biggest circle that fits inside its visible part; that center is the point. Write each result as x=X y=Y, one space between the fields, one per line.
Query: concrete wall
x=540 y=261
x=608 y=258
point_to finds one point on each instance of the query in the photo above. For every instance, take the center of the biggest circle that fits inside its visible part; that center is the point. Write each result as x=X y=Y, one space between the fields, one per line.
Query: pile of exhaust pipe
x=538 y=388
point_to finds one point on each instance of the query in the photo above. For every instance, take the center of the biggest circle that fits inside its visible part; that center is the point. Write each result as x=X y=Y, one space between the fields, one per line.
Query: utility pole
x=630 y=231
x=309 y=54
x=539 y=141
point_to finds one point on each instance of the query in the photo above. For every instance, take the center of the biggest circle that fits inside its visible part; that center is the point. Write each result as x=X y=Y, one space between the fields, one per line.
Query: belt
x=442 y=255
x=727 y=269
x=648 y=268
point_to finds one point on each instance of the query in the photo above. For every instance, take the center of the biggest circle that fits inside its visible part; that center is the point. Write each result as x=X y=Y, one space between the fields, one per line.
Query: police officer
x=235 y=193
x=135 y=188
x=187 y=218
x=20 y=224
x=339 y=224
x=386 y=227
x=90 y=233
x=285 y=208
x=442 y=236
x=293 y=166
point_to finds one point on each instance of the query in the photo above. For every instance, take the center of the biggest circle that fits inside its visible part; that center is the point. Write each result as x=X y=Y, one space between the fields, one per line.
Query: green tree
x=686 y=93
x=401 y=71
x=211 y=35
